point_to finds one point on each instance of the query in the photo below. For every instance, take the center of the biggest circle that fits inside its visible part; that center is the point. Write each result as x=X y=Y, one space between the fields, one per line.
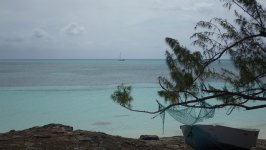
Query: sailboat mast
x=120 y=57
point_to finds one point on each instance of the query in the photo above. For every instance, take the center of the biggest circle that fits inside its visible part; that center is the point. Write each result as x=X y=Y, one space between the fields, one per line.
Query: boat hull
x=219 y=137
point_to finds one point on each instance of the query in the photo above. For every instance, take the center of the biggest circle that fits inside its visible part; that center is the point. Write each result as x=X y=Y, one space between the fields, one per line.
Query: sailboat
x=120 y=58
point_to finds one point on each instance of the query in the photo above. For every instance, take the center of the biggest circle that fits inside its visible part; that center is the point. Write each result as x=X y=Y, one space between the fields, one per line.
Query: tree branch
x=186 y=104
x=261 y=22
x=231 y=104
x=246 y=11
x=231 y=46
x=191 y=94
x=175 y=104
x=238 y=94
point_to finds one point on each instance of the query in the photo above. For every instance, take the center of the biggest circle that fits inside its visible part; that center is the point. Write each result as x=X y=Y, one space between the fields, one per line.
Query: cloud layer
x=99 y=28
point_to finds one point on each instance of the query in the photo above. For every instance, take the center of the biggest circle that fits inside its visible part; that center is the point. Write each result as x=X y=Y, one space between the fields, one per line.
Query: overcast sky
x=95 y=29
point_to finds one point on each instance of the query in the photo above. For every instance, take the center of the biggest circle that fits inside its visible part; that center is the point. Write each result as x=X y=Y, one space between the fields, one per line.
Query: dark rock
x=82 y=138
x=99 y=148
x=149 y=137
x=58 y=128
x=2 y=138
x=61 y=137
x=42 y=136
x=12 y=131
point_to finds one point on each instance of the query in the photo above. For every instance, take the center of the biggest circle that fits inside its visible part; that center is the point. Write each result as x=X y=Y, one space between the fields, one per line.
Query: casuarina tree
x=242 y=41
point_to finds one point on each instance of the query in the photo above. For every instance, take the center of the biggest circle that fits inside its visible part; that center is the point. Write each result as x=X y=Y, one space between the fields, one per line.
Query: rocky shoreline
x=62 y=137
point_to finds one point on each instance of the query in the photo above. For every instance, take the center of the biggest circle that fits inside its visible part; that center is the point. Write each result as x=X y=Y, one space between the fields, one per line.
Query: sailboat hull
x=202 y=137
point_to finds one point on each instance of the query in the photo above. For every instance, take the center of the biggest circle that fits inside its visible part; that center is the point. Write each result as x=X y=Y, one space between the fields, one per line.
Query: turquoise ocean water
x=77 y=93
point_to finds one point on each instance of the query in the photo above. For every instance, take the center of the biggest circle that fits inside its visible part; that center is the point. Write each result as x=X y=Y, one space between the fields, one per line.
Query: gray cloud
x=73 y=29
x=38 y=33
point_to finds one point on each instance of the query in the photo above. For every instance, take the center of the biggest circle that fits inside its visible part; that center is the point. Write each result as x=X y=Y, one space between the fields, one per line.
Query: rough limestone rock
x=61 y=137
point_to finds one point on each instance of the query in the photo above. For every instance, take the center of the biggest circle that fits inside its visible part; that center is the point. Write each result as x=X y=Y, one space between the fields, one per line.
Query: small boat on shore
x=217 y=137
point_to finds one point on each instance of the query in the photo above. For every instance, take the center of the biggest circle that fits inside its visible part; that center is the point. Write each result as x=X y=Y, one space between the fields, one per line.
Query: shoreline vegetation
x=62 y=137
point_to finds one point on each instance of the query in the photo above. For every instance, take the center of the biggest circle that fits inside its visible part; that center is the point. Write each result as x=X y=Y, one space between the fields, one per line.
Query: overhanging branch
x=186 y=104
x=224 y=105
x=237 y=94
x=175 y=104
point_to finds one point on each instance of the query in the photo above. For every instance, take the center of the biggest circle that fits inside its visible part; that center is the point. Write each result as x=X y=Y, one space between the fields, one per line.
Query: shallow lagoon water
x=77 y=93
